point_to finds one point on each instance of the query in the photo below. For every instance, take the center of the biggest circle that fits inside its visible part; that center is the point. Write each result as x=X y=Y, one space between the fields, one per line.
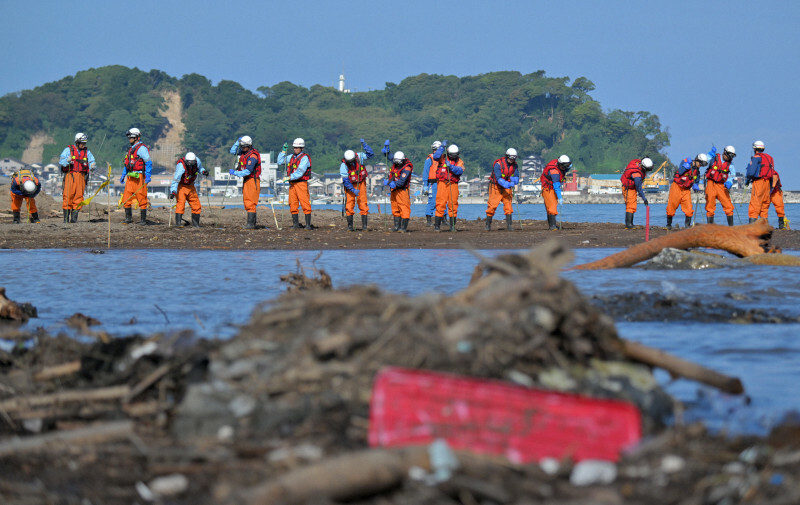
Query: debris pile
x=279 y=414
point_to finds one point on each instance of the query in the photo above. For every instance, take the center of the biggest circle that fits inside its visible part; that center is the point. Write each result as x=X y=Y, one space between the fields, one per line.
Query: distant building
x=10 y=165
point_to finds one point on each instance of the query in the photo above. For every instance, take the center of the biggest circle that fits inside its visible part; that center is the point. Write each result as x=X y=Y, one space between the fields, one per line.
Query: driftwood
x=61 y=370
x=342 y=478
x=11 y=310
x=96 y=433
x=742 y=241
x=680 y=367
x=23 y=403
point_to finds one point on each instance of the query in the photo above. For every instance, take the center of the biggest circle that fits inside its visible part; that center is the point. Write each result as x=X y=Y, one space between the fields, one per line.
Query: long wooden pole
x=108 y=190
x=745 y=240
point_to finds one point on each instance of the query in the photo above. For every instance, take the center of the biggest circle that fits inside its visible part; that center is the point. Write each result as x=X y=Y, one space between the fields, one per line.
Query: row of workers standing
x=717 y=181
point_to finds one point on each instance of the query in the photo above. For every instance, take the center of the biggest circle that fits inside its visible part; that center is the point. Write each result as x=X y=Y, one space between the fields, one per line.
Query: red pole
x=647 y=224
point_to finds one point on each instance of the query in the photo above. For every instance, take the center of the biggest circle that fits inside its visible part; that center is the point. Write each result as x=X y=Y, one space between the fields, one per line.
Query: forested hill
x=483 y=114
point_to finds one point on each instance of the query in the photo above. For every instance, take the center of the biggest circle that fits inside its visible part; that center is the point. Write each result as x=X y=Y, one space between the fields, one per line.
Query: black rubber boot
x=34 y=218
x=669 y=222
x=251 y=221
x=195 y=220
x=629 y=220
x=364 y=223
x=143 y=217
x=404 y=225
x=178 y=220
x=687 y=223
x=730 y=220
x=74 y=218
x=452 y=224
x=349 y=222
x=752 y=220
x=296 y=221
x=488 y=226
x=428 y=221
x=16 y=218
x=551 y=220
x=66 y=215
x=308 y=222
x=710 y=219
x=508 y=223
x=128 y=215
x=437 y=223
x=396 y=223
x=781 y=223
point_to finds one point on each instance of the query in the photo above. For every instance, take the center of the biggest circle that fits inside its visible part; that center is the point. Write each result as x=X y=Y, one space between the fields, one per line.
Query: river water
x=211 y=292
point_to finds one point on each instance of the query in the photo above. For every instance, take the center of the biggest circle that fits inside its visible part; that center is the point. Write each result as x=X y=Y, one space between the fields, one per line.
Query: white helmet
x=398 y=157
x=647 y=163
x=133 y=132
x=245 y=141
x=29 y=186
x=349 y=155
x=730 y=150
x=511 y=153
x=298 y=142
x=564 y=160
x=702 y=158
x=452 y=150
x=80 y=137
x=190 y=157
x=436 y=145
x=758 y=145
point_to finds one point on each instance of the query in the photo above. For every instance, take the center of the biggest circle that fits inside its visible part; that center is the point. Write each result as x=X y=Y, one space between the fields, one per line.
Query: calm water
x=211 y=292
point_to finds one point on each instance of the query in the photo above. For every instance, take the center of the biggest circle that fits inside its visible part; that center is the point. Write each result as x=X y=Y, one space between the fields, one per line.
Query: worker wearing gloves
x=717 y=184
x=398 y=182
x=248 y=167
x=183 y=189
x=136 y=170
x=298 y=172
x=76 y=162
x=683 y=183
x=776 y=199
x=501 y=187
x=429 y=181
x=632 y=179
x=552 y=175
x=354 y=179
x=448 y=174
x=25 y=186
x=759 y=172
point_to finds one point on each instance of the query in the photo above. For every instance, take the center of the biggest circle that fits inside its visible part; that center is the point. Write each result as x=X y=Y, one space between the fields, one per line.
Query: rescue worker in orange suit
x=298 y=172
x=632 y=178
x=183 y=189
x=447 y=175
x=25 y=186
x=136 y=170
x=683 y=183
x=776 y=199
x=501 y=187
x=398 y=182
x=248 y=167
x=76 y=162
x=717 y=184
x=430 y=183
x=552 y=175
x=760 y=173
x=354 y=179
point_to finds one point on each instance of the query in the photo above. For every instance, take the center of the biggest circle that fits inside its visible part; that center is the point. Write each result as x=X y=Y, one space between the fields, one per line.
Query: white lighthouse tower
x=342 y=89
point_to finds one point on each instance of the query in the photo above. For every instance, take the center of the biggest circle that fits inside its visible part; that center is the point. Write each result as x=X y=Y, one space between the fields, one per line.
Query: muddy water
x=211 y=292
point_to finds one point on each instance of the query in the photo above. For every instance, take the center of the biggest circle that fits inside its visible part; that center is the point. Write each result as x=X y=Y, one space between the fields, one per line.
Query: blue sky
x=714 y=71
